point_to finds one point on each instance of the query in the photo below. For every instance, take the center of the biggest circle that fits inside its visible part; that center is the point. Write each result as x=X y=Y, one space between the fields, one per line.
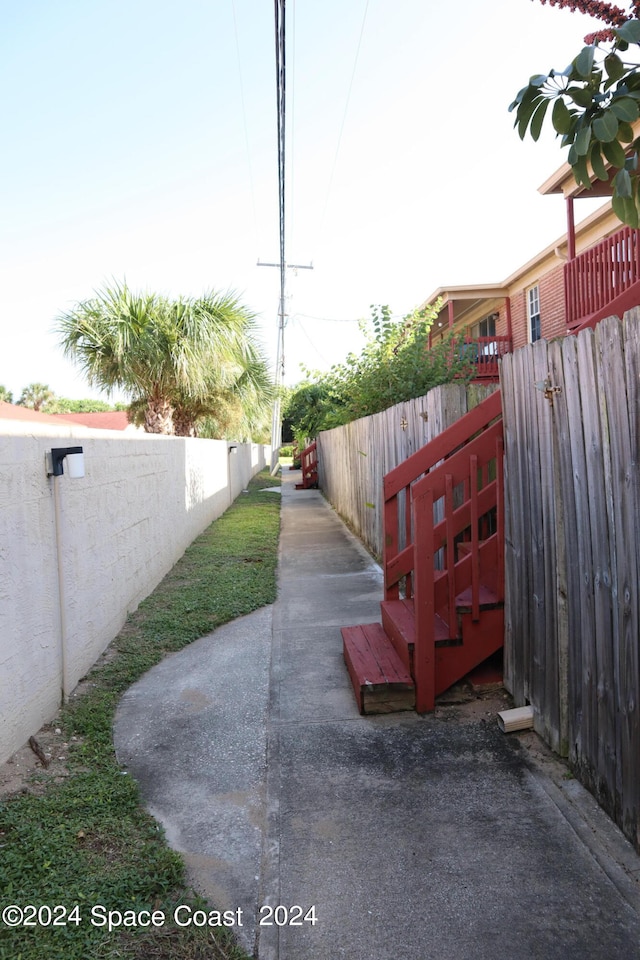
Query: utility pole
x=276 y=423
x=276 y=420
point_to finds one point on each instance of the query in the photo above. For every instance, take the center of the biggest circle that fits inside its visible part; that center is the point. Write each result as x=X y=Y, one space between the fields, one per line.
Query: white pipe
x=61 y=598
x=520 y=718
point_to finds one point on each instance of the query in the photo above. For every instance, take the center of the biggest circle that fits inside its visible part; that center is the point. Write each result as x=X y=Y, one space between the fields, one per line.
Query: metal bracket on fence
x=547 y=389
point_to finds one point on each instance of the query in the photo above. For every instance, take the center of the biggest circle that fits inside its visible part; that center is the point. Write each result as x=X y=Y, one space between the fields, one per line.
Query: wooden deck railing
x=484 y=353
x=599 y=275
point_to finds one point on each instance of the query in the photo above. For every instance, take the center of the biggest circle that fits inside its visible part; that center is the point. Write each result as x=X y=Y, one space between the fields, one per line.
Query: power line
x=276 y=422
x=281 y=89
x=279 y=8
x=292 y=116
x=312 y=344
x=308 y=316
x=344 y=118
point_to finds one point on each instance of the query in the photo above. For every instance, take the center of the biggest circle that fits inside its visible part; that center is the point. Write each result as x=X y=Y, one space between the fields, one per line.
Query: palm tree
x=5 y=395
x=36 y=396
x=238 y=393
x=174 y=358
x=112 y=338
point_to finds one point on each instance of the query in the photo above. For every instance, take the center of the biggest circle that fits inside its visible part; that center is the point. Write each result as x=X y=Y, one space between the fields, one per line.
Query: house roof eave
x=563 y=180
x=470 y=296
x=466 y=298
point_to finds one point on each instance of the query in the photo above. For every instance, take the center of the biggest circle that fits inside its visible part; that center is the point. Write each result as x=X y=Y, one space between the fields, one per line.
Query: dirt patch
x=26 y=771
x=465 y=704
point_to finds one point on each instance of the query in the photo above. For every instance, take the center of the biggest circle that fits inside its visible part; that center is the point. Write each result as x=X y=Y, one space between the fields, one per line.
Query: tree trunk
x=158 y=417
x=183 y=425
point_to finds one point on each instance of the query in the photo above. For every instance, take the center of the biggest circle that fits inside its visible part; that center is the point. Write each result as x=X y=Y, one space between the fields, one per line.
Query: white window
x=533 y=313
x=485 y=328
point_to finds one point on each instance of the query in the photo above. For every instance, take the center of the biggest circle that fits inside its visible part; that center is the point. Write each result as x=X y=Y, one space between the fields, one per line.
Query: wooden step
x=381 y=682
x=479 y=641
x=488 y=599
x=398 y=620
x=454 y=657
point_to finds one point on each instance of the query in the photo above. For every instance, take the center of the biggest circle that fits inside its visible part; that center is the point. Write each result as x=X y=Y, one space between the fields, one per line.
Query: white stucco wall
x=122 y=527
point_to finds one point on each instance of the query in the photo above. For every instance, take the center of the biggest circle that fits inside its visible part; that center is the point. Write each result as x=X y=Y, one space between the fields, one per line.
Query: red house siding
x=520 y=334
x=502 y=329
x=552 y=308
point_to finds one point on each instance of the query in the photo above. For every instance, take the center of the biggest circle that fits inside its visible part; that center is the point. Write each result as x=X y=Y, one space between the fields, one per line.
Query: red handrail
x=397 y=519
x=437 y=593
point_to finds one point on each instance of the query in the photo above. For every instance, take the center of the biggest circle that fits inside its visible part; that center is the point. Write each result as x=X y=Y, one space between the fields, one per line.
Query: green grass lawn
x=87 y=840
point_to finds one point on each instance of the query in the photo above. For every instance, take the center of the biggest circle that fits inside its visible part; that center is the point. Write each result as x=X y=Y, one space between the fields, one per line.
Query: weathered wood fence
x=572 y=526
x=352 y=460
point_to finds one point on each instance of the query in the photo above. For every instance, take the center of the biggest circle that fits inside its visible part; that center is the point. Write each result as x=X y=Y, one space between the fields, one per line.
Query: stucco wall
x=121 y=528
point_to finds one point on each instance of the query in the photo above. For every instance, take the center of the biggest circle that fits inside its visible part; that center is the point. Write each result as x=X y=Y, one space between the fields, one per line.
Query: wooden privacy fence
x=572 y=552
x=352 y=460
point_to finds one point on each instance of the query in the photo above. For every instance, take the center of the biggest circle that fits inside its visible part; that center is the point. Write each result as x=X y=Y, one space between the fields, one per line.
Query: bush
x=398 y=363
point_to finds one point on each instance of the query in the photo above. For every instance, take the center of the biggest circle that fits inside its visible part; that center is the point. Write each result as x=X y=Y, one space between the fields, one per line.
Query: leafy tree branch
x=595 y=101
x=397 y=363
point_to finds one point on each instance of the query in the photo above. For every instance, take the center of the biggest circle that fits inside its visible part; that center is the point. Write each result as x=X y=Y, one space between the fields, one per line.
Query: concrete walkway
x=413 y=838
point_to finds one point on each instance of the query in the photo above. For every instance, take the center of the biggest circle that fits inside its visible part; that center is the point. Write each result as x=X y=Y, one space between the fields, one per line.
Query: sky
x=140 y=145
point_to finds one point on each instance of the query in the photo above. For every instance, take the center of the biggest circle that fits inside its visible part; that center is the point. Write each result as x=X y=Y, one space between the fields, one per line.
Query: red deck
x=603 y=280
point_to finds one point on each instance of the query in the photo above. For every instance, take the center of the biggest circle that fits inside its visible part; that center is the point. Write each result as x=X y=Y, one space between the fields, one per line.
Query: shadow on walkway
x=412 y=838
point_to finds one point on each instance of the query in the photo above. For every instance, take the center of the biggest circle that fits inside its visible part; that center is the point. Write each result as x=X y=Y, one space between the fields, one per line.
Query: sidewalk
x=414 y=838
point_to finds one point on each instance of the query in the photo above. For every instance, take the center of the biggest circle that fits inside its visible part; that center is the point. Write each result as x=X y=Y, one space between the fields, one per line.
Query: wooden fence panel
x=518 y=557
x=580 y=612
x=352 y=460
x=546 y=658
x=565 y=531
x=632 y=379
x=572 y=552
x=597 y=766
x=513 y=536
x=623 y=480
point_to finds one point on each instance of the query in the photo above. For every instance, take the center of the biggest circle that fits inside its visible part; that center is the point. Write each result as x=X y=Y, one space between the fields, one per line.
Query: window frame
x=489 y=323
x=534 y=318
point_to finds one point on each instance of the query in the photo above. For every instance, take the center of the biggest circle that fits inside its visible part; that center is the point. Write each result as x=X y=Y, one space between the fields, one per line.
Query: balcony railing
x=600 y=276
x=484 y=353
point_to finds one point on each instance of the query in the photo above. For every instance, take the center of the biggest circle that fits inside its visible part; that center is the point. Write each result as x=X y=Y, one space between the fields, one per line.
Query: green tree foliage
x=67 y=405
x=596 y=100
x=37 y=396
x=397 y=363
x=311 y=407
x=5 y=395
x=238 y=402
x=179 y=360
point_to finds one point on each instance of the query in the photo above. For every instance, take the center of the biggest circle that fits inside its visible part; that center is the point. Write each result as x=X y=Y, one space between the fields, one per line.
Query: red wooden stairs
x=443 y=568
x=309 y=467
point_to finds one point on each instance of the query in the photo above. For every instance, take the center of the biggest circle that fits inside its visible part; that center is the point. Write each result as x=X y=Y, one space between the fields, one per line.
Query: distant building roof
x=11 y=411
x=104 y=420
